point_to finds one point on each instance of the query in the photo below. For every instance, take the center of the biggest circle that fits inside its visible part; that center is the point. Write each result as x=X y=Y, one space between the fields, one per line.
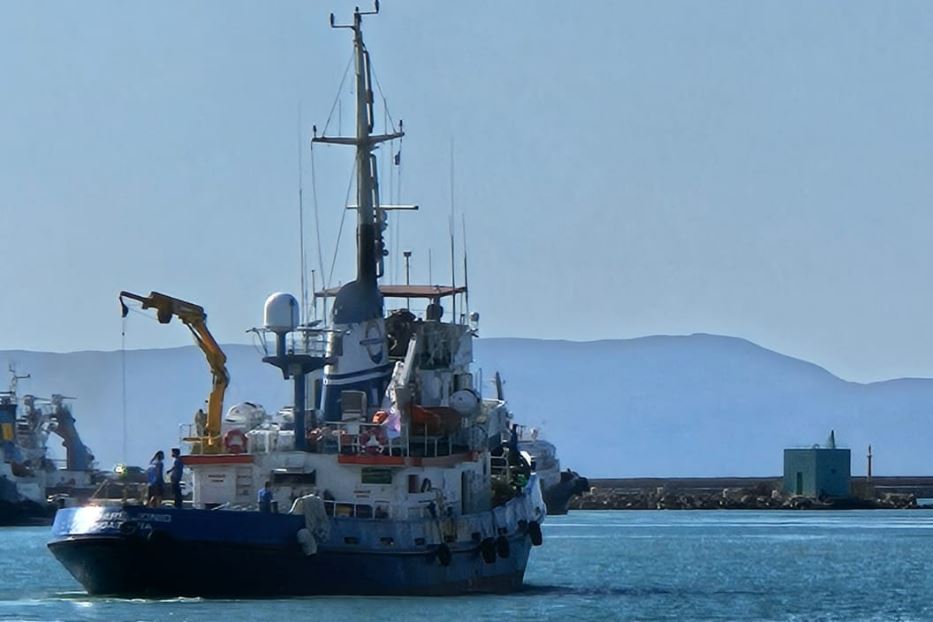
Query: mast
x=370 y=219
x=357 y=349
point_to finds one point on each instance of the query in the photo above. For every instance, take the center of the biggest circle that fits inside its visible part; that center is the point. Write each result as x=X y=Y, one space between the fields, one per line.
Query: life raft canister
x=235 y=442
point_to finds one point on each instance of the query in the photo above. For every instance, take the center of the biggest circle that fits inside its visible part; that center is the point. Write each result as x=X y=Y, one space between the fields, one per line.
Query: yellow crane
x=194 y=317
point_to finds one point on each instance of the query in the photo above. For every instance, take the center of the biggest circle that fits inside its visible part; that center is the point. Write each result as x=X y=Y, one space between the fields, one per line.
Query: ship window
x=371 y=475
x=351 y=540
x=364 y=511
x=296 y=479
x=343 y=510
x=419 y=541
x=387 y=541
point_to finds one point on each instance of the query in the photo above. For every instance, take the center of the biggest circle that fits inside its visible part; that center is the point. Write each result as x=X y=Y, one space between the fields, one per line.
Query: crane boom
x=194 y=317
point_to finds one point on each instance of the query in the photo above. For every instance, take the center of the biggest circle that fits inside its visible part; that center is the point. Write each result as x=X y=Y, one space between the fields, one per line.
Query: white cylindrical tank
x=280 y=313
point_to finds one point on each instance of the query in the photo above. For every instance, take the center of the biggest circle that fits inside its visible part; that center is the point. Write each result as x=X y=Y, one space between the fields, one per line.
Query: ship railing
x=358 y=437
x=431 y=445
x=344 y=437
x=311 y=342
x=375 y=509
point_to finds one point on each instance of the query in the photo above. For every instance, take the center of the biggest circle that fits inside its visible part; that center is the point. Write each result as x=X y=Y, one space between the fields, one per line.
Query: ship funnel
x=280 y=316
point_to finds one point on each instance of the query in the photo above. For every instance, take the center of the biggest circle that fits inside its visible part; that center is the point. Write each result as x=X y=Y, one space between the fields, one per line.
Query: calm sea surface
x=715 y=565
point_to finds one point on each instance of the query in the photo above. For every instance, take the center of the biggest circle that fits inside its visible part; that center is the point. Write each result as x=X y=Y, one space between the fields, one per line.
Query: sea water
x=634 y=565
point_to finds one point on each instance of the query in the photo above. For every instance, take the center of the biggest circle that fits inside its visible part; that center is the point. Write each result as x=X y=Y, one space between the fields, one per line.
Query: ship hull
x=112 y=566
x=25 y=513
x=141 y=552
x=557 y=497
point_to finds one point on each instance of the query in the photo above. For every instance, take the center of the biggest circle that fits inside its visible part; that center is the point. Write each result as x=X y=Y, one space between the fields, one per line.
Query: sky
x=624 y=169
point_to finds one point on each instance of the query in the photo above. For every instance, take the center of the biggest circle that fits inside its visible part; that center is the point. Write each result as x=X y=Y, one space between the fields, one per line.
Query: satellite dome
x=280 y=314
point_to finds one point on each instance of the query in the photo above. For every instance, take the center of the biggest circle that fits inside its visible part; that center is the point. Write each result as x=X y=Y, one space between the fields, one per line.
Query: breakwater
x=746 y=493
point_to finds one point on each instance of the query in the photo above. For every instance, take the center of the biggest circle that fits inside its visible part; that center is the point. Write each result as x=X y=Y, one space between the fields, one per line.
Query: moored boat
x=28 y=474
x=558 y=486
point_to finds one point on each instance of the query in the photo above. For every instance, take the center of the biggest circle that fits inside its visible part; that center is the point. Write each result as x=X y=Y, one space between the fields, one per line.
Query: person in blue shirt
x=155 y=477
x=175 y=473
x=265 y=497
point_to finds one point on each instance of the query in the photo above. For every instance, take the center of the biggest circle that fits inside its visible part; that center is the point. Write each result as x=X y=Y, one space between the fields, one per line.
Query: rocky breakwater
x=762 y=496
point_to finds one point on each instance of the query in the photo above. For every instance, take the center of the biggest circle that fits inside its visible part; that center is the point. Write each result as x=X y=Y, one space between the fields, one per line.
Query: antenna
x=301 y=228
x=357 y=14
x=466 y=278
x=14 y=378
x=453 y=267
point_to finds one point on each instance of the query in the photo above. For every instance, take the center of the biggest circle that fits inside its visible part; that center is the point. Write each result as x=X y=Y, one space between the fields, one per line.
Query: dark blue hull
x=22 y=513
x=140 y=552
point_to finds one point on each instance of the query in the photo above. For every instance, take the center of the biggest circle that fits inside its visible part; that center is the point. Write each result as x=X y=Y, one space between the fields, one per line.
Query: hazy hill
x=697 y=405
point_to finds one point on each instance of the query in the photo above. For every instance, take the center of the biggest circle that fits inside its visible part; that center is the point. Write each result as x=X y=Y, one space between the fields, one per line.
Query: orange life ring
x=380 y=416
x=235 y=442
x=377 y=433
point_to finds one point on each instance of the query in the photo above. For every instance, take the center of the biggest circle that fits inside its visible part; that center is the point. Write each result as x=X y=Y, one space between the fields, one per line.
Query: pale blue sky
x=751 y=169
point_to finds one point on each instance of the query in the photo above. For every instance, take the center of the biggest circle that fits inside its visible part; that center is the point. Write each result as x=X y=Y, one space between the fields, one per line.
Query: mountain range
x=695 y=405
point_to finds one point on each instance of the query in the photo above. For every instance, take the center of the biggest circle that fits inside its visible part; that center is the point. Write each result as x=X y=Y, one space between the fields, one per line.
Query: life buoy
x=235 y=442
x=373 y=440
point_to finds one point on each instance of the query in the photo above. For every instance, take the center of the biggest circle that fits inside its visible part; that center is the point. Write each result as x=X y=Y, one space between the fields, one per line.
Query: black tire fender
x=488 y=548
x=444 y=555
x=502 y=547
x=534 y=530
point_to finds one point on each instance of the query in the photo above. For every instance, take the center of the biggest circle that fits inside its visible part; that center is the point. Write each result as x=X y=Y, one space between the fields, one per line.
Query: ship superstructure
x=390 y=473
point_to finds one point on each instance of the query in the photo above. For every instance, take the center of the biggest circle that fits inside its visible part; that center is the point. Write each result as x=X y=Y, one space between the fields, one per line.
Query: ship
x=389 y=474
x=558 y=487
x=32 y=483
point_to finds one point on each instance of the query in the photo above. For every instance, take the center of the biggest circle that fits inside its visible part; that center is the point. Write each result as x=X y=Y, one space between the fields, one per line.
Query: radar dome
x=280 y=314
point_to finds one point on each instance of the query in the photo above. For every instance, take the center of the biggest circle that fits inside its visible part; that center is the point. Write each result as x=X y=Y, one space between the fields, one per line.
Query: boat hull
x=26 y=513
x=113 y=566
x=133 y=551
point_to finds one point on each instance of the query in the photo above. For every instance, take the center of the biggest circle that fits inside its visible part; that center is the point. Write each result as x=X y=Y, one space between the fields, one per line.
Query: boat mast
x=370 y=245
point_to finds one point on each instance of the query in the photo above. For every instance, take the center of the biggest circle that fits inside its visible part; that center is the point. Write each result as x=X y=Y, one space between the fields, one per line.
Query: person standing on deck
x=514 y=455
x=155 y=477
x=175 y=473
x=265 y=497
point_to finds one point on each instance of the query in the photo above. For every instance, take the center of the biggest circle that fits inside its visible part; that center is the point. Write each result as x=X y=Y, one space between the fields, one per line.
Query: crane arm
x=194 y=317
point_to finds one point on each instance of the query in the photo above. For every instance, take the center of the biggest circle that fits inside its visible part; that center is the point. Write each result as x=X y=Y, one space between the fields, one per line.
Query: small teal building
x=818 y=472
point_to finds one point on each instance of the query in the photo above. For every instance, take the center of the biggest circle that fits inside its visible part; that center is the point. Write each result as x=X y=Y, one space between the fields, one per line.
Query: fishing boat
x=391 y=473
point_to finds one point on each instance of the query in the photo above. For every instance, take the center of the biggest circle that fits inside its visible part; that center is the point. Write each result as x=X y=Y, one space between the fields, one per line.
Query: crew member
x=155 y=477
x=175 y=474
x=265 y=497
